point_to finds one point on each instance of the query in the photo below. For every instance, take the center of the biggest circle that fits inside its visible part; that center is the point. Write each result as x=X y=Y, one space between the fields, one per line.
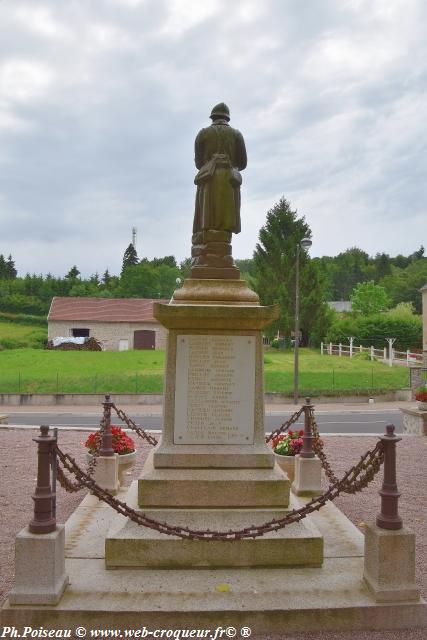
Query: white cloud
x=24 y=80
x=40 y=20
x=186 y=14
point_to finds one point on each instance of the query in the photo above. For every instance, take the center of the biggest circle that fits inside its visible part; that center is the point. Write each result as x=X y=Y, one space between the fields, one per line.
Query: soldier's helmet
x=220 y=111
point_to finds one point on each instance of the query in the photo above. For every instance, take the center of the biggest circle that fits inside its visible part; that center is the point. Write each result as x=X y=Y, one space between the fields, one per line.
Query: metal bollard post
x=43 y=520
x=307 y=440
x=389 y=517
x=106 y=449
x=53 y=464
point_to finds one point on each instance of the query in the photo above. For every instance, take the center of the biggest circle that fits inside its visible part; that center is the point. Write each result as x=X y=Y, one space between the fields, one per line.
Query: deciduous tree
x=369 y=298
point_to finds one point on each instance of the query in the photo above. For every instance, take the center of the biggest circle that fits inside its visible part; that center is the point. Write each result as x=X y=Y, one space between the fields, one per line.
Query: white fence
x=393 y=357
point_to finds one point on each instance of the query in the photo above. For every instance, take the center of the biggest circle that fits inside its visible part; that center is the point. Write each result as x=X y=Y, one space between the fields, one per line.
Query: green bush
x=10 y=343
x=275 y=343
x=362 y=356
x=374 y=330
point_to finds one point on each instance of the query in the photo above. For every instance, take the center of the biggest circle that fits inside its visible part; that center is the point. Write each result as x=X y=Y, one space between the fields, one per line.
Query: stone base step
x=130 y=545
x=271 y=600
x=268 y=601
x=207 y=488
x=193 y=456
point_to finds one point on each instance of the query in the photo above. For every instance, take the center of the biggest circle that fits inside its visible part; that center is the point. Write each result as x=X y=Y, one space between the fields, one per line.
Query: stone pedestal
x=389 y=569
x=40 y=576
x=308 y=476
x=213 y=398
x=210 y=487
x=213 y=469
x=414 y=422
x=106 y=473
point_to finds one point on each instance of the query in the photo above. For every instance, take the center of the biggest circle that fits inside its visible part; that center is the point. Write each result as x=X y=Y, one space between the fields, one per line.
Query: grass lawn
x=330 y=374
x=40 y=371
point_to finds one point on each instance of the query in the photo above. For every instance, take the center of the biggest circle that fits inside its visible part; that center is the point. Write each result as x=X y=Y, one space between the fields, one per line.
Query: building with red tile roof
x=118 y=323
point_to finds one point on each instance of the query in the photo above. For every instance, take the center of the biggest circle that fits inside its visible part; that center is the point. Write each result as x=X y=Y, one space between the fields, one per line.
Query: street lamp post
x=305 y=244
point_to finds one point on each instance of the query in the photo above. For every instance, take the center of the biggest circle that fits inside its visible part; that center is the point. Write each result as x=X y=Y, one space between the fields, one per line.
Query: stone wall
x=417 y=376
x=414 y=422
x=109 y=333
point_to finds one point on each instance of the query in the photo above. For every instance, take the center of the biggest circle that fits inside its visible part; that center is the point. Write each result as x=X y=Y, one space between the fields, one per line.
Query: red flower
x=121 y=442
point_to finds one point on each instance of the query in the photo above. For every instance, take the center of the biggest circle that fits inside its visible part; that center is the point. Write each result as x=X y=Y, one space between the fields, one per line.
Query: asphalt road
x=354 y=422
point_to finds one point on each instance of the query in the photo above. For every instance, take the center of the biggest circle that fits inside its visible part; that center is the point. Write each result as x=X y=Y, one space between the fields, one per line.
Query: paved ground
x=18 y=476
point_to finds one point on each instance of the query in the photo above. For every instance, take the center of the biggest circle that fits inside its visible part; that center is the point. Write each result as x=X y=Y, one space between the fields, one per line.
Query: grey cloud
x=109 y=142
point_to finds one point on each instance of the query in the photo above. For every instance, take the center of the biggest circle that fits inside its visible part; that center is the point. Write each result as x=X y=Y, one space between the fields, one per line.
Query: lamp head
x=306 y=243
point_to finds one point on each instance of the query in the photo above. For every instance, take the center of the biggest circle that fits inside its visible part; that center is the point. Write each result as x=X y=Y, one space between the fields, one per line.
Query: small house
x=118 y=323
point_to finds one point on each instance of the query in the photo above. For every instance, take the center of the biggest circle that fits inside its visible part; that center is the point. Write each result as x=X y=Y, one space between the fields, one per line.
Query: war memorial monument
x=212 y=535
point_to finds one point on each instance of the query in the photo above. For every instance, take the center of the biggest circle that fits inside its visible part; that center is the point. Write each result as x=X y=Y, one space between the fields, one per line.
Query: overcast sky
x=100 y=102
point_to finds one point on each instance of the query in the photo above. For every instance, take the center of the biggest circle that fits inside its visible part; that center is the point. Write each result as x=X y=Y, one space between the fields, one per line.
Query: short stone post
x=106 y=472
x=340 y=349
x=330 y=348
x=372 y=353
x=40 y=576
x=308 y=468
x=389 y=569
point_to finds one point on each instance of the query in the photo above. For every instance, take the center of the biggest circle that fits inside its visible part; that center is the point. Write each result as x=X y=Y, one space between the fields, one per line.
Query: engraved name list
x=214 y=397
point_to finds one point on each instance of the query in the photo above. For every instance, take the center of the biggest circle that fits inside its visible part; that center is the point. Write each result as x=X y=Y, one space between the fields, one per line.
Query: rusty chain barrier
x=74 y=487
x=285 y=426
x=318 y=449
x=134 y=427
x=354 y=480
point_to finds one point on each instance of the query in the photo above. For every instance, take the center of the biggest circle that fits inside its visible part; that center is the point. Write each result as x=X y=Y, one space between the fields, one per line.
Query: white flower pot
x=287 y=463
x=126 y=461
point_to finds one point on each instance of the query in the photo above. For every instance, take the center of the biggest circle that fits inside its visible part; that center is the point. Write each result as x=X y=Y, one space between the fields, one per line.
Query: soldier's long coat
x=220 y=155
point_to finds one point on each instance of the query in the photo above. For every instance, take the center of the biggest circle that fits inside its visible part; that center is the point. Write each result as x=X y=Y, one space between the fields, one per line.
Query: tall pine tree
x=130 y=257
x=11 y=269
x=274 y=266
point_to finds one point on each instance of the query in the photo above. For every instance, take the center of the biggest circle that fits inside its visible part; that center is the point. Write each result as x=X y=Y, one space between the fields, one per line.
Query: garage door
x=144 y=339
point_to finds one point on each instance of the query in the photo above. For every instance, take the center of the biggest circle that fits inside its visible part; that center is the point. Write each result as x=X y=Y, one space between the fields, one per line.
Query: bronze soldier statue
x=220 y=155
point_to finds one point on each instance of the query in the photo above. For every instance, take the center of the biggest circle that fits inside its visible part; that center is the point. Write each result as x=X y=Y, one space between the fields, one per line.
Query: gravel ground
x=19 y=473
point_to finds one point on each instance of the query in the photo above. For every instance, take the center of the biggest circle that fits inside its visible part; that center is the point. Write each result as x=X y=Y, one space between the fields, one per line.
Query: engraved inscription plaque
x=215 y=388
